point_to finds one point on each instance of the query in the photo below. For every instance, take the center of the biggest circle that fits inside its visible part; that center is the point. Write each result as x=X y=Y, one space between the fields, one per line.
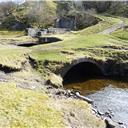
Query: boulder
x=55 y=80
x=65 y=22
x=110 y=123
x=32 y=31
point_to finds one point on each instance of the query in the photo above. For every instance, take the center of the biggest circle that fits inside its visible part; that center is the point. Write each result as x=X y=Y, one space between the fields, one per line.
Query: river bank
x=32 y=78
x=108 y=97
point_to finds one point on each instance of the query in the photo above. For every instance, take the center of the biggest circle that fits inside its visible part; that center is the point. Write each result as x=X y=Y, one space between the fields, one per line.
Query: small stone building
x=36 y=32
x=32 y=31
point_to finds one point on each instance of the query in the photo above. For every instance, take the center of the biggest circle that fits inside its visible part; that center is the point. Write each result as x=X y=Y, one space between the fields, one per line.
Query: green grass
x=96 y=28
x=77 y=42
x=110 y=19
x=105 y=23
x=11 y=33
x=20 y=108
x=52 y=57
x=122 y=34
x=12 y=57
x=94 y=40
x=72 y=42
x=48 y=55
x=77 y=45
x=23 y=108
x=14 y=37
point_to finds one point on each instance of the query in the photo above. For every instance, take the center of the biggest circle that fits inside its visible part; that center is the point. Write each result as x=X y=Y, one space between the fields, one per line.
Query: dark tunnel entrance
x=82 y=72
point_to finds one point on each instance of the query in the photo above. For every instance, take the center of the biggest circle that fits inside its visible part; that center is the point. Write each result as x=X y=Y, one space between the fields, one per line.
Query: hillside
x=30 y=14
x=26 y=15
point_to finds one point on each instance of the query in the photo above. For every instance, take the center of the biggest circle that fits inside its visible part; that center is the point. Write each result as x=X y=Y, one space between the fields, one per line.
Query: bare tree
x=6 y=8
x=40 y=14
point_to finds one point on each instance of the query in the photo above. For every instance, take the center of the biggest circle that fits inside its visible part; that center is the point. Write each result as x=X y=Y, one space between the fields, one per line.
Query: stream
x=110 y=97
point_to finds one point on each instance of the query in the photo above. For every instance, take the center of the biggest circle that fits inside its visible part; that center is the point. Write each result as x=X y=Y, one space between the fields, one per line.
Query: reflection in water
x=108 y=95
x=94 y=85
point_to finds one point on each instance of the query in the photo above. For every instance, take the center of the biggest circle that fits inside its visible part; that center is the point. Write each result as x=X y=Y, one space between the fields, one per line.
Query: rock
x=72 y=114
x=32 y=31
x=55 y=80
x=110 y=123
x=83 y=97
x=120 y=123
x=60 y=92
x=65 y=22
x=100 y=113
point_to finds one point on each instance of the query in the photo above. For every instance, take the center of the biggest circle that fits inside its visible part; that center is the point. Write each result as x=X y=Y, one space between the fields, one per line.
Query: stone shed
x=32 y=31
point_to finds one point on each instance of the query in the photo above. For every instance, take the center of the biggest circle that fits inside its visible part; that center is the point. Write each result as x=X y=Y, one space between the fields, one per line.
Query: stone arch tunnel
x=81 y=70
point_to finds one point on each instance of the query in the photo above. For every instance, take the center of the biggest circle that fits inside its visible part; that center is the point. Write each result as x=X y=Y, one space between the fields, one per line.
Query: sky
x=17 y=1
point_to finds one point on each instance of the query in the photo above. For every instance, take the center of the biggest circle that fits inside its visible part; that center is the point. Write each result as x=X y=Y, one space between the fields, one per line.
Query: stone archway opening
x=81 y=72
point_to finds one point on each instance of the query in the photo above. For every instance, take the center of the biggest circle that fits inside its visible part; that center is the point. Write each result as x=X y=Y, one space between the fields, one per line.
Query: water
x=110 y=96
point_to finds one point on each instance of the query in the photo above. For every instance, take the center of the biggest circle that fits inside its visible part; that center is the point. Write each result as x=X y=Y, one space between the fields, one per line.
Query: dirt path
x=113 y=28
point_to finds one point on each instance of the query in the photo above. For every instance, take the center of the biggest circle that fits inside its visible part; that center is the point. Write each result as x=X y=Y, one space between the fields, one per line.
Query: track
x=113 y=28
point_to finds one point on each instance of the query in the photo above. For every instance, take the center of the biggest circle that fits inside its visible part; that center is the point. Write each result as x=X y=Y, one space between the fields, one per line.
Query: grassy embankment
x=11 y=56
x=73 y=41
x=20 y=108
x=86 y=43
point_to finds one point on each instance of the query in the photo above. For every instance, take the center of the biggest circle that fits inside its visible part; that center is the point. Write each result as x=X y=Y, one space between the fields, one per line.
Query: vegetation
x=33 y=108
x=12 y=57
x=41 y=12
x=39 y=107
x=26 y=108
x=11 y=34
x=6 y=8
x=87 y=43
x=122 y=34
x=119 y=9
x=29 y=14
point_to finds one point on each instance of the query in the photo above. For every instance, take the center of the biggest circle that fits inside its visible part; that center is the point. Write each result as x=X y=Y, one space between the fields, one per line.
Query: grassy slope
x=21 y=12
x=81 y=39
x=14 y=37
x=122 y=34
x=85 y=43
x=10 y=55
x=20 y=108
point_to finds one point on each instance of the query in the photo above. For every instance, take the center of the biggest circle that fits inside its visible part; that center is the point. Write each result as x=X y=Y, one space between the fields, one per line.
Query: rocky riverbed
x=110 y=98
